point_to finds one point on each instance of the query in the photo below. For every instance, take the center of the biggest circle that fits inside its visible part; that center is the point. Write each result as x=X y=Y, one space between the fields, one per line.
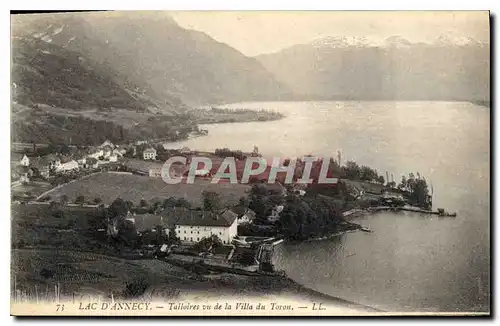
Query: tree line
x=416 y=189
x=61 y=129
x=226 y=152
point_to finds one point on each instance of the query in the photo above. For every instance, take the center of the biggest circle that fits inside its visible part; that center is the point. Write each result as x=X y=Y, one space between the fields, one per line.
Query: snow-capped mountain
x=396 y=41
x=453 y=67
x=455 y=39
x=345 y=41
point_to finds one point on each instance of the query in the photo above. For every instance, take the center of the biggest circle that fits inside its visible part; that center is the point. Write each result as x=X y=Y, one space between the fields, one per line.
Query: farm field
x=34 y=188
x=109 y=186
x=142 y=165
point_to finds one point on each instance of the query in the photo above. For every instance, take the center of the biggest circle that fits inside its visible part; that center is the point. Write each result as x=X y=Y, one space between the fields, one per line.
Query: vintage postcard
x=314 y=163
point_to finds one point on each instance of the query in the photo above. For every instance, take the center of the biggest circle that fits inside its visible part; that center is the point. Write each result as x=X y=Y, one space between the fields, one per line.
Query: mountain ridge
x=168 y=61
x=388 y=69
x=343 y=41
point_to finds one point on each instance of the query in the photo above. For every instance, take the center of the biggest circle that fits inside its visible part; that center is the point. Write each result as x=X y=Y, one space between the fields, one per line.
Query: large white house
x=149 y=154
x=192 y=226
x=68 y=166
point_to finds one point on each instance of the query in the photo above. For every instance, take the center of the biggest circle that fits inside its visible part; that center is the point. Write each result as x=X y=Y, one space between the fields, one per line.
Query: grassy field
x=142 y=165
x=109 y=186
x=37 y=226
x=83 y=273
x=34 y=188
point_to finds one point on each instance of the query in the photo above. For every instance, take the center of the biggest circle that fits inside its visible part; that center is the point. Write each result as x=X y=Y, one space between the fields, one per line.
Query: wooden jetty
x=440 y=211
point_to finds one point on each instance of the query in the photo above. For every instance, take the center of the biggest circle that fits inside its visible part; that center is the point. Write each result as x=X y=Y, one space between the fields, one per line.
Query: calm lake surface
x=411 y=262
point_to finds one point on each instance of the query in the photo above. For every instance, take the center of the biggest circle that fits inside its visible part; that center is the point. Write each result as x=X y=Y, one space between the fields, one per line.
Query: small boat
x=365 y=229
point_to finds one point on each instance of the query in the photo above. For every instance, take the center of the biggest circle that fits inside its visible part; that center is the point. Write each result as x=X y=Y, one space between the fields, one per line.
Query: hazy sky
x=262 y=32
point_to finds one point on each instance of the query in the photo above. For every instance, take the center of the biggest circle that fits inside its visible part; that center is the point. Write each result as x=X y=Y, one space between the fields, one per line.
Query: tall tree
x=119 y=208
x=211 y=200
x=259 y=201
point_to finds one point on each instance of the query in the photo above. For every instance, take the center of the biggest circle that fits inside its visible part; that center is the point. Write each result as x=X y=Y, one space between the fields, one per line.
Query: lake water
x=411 y=262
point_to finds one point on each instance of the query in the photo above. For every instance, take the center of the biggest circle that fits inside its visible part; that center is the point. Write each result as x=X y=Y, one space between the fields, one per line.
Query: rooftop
x=107 y=143
x=183 y=216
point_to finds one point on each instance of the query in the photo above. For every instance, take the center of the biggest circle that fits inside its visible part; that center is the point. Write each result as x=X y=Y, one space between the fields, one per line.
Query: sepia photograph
x=250 y=163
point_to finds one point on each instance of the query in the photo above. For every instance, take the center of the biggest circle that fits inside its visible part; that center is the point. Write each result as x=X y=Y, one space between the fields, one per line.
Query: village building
x=95 y=153
x=113 y=158
x=118 y=152
x=54 y=161
x=107 y=151
x=107 y=143
x=25 y=161
x=185 y=150
x=245 y=214
x=192 y=226
x=149 y=154
x=92 y=163
x=68 y=166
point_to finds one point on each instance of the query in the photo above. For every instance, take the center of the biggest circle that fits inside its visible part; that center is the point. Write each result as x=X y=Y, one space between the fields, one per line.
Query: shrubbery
x=135 y=288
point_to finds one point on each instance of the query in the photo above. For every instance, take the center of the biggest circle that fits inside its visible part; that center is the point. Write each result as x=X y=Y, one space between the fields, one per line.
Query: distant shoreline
x=348 y=99
x=215 y=115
